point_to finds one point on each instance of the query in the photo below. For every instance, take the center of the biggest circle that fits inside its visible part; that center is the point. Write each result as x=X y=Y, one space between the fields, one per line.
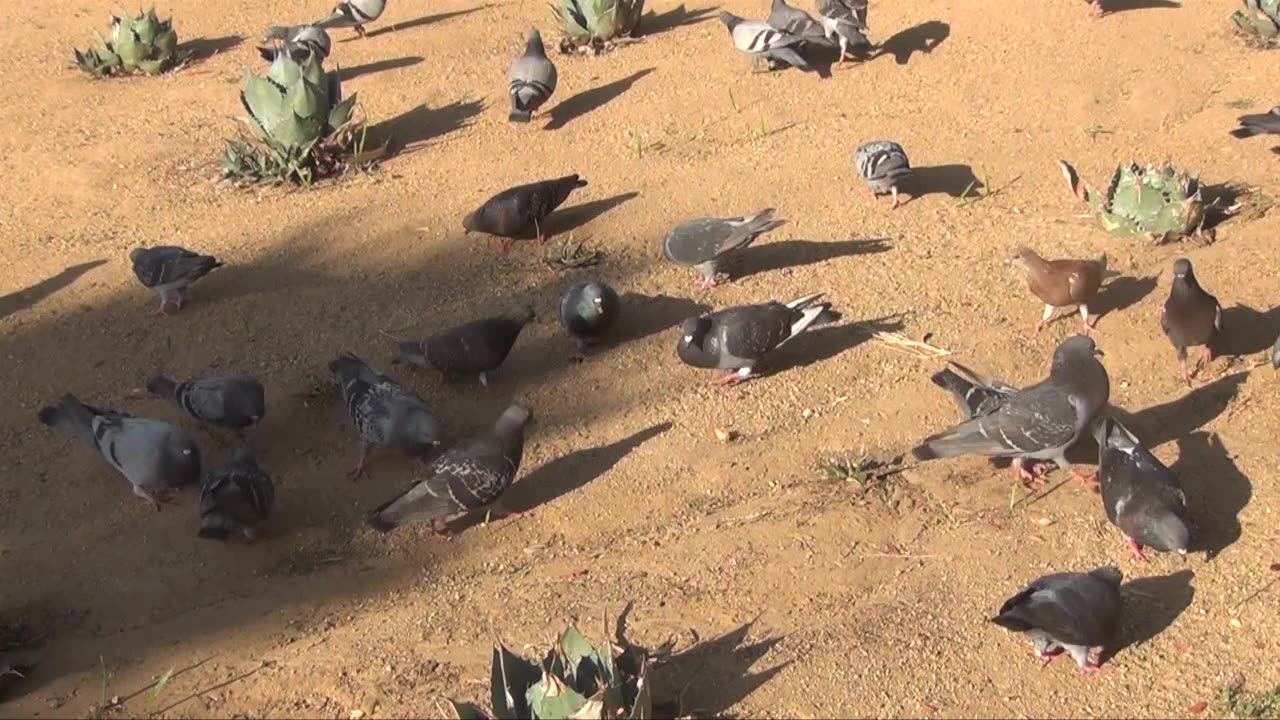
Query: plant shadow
x=713 y=675
x=350 y=73
x=922 y=38
x=421 y=124
x=1217 y=492
x=824 y=343
x=201 y=49
x=1246 y=331
x=954 y=180
x=1150 y=605
x=28 y=297
x=419 y=22
x=575 y=217
x=1219 y=201
x=654 y=23
x=591 y=99
x=1122 y=292
x=786 y=254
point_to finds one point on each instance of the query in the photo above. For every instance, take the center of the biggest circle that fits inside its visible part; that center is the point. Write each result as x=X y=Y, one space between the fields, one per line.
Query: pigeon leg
x=542 y=239
x=1089 y=481
x=1096 y=10
x=1084 y=317
x=1044 y=319
x=1135 y=548
x=1029 y=478
x=707 y=283
x=844 y=49
x=440 y=526
x=580 y=351
x=504 y=245
x=1186 y=373
x=360 y=31
x=1208 y=355
x=1049 y=656
x=894 y=191
x=357 y=472
x=484 y=381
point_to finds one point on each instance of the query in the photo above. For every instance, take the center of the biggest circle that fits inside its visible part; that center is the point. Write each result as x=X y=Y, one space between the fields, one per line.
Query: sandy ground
x=836 y=602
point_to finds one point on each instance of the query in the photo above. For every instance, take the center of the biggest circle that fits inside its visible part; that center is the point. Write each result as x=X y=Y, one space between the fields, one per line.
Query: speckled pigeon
x=468 y=476
x=844 y=21
x=475 y=348
x=1191 y=316
x=531 y=80
x=517 y=211
x=1039 y=422
x=236 y=498
x=354 y=14
x=587 y=311
x=737 y=338
x=796 y=22
x=383 y=412
x=170 y=271
x=153 y=455
x=1066 y=611
x=1140 y=495
x=764 y=42
x=883 y=164
x=231 y=402
x=700 y=243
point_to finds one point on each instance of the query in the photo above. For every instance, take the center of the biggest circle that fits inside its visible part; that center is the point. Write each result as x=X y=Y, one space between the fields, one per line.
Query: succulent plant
x=575 y=680
x=596 y=24
x=1156 y=201
x=144 y=43
x=1259 y=22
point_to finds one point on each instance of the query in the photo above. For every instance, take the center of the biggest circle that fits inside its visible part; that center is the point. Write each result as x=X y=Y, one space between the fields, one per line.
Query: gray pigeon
x=531 y=80
x=976 y=395
x=1066 y=611
x=153 y=455
x=764 y=42
x=353 y=14
x=1259 y=124
x=1191 y=316
x=1140 y=495
x=231 y=402
x=516 y=211
x=883 y=164
x=1036 y=423
x=700 y=243
x=844 y=21
x=587 y=311
x=1275 y=354
x=301 y=42
x=383 y=412
x=796 y=22
x=236 y=498
x=468 y=476
x=170 y=271
x=735 y=339
x=474 y=348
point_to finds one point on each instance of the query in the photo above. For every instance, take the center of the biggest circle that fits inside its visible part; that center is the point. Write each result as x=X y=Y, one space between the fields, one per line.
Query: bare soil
x=838 y=602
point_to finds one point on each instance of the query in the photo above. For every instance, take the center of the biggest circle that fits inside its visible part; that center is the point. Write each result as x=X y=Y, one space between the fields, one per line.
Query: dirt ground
x=835 y=601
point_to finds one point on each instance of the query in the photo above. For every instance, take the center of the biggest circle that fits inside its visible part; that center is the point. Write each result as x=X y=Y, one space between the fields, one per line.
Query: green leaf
x=551 y=699
x=152 y=67
x=341 y=113
x=166 y=45
x=263 y=100
x=162 y=682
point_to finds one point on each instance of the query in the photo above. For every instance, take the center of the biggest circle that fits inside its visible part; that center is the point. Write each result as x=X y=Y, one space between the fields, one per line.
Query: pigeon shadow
x=570 y=472
x=1150 y=605
x=201 y=49
x=645 y=315
x=1159 y=424
x=28 y=297
x=954 y=180
x=1122 y=292
x=421 y=124
x=591 y=99
x=819 y=344
x=798 y=253
x=922 y=38
x=355 y=71
x=712 y=675
x=579 y=215
x=419 y=22
x=1246 y=331
x=1217 y=492
x=1119 y=6
x=676 y=17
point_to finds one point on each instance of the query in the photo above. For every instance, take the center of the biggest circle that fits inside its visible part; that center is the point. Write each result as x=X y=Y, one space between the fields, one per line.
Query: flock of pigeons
x=1034 y=426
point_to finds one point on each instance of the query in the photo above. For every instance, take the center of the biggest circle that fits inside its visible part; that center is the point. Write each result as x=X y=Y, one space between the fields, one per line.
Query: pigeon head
x=730 y=20
x=161 y=386
x=411 y=352
x=1024 y=256
x=1109 y=433
x=593 y=296
x=1166 y=532
x=534 y=45
x=474 y=221
x=695 y=329
x=513 y=420
x=135 y=254
x=1183 y=275
x=1076 y=349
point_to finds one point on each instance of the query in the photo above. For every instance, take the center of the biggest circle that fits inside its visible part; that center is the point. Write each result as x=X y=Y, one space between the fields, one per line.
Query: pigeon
x=353 y=14
x=468 y=476
x=976 y=395
x=1062 y=283
x=153 y=455
x=883 y=165
x=1140 y=495
x=514 y=212
x=1259 y=124
x=237 y=497
x=231 y=402
x=736 y=338
x=796 y=22
x=845 y=21
x=170 y=271
x=1191 y=316
x=1275 y=354
x=383 y=412
x=762 y=41
x=1066 y=611
x=1039 y=422
x=474 y=348
x=587 y=311
x=301 y=42
x=700 y=243
x=1096 y=10
x=531 y=80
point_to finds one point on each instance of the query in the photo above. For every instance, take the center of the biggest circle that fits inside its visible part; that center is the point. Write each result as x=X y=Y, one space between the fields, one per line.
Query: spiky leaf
x=1259 y=19
x=511 y=676
x=1156 y=201
x=552 y=699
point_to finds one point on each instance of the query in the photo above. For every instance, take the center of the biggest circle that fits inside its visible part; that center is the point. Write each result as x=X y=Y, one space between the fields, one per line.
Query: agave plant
x=300 y=121
x=1156 y=201
x=1259 y=22
x=138 y=44
x=575 y=680
x=596 y=24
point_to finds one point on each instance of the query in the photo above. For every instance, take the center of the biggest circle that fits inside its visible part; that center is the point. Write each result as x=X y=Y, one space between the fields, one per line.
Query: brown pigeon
x=1062 y=283
x=1191 y=316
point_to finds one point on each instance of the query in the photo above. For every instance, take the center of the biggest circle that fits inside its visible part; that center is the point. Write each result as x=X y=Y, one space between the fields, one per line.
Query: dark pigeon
x=587 y=311
x=468 y=476
x=883 y=165
x=231 y=402
x=1259 y=124
x=475 y=348
x=1140 y=495
x=383 y=412
x=236 y=498
x=737 y=338
x=700 y=243
x=1066 y=611
x=518 y=211
x=1191 y=316
x=170 y=271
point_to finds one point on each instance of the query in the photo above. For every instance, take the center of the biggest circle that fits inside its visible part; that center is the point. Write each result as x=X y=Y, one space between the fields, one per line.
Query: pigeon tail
x=954 y=383
x=214 y=526
x=520 y=116
x=417 y=501
x=965 y=439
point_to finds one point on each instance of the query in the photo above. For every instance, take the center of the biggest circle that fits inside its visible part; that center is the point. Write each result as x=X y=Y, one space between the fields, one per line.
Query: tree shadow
x=28 y=297
x=420 y=22
x=654 y=23
x=1119 y=6
x=922 y=38
x=713 y=675
x=355 y=71
x=814 y=346
x=420 y=124
x=953 y=180
x=1246 y=331
x=1150 y=605
x=645 y=315
x=201 y=49
x=575 y=217
x=1122 y=292
x=1159 y=424
x=591 y=99
x=1217 y=492
x=798 y=253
